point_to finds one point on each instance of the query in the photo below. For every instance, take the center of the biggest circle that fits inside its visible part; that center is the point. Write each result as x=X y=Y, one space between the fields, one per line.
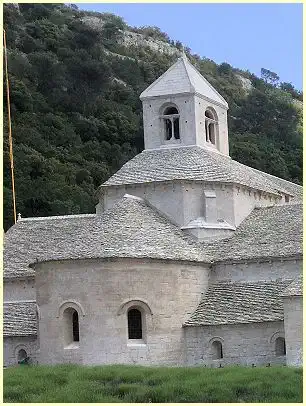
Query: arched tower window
x=171 y=119
x=280 y=346
x=217 y=350
x=211 y=123
x=134 y=324
x=71 y=326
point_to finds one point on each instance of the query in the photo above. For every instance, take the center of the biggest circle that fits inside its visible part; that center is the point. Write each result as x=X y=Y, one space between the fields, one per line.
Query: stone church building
x=190 y=259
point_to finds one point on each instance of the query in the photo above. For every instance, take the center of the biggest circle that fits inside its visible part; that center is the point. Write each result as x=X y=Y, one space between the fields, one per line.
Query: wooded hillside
x=75 y=80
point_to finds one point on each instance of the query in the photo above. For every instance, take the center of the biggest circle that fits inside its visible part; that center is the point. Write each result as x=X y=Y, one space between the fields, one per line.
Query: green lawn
x=70 y=383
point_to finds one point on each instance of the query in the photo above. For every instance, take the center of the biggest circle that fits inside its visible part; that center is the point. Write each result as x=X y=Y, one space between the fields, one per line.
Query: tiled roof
x=295 y=288
x=196 y=164
x=244 y=302
x=267 y=232
x=19 y=319
x=183 y=77
x=133 y=229
x=129 y=229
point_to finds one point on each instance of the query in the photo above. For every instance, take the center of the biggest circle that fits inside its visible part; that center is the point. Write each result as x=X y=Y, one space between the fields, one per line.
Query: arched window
x=280 y=346
x=22 y=355
x=217 y=350
x=134 y=324
x=71 y=326
x=211 y=122
x=171 y=119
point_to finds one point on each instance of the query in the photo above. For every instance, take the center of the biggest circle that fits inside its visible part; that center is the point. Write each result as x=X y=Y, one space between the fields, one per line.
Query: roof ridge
x=18 y=302
x=278 y=280
x=272 y=206
x=206 y=81
x=276 y=177
x=65 y=216
x=159 y=78
x=185 y=60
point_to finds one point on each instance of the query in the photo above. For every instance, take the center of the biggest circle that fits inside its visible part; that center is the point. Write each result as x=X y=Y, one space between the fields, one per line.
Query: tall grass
x=71 y=383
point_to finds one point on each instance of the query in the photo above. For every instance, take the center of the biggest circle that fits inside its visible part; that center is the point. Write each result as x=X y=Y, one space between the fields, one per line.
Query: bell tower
x=181 y=108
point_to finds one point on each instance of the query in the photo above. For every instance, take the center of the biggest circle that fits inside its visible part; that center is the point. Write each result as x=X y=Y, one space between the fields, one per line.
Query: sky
x=247 y=36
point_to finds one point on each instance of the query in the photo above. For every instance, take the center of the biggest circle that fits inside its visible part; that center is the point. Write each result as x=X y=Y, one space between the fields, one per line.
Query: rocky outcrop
x=134 y=39
x=246 y=83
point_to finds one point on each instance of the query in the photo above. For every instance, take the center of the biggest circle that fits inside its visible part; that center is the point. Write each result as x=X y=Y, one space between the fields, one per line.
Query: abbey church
x=190 y=259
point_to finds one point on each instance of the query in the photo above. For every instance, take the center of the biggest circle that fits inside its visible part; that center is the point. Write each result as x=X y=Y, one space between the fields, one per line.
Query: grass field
x=70 y=383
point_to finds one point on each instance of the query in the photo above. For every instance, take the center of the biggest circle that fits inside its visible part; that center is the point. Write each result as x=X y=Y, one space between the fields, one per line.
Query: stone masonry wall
x=245 y=200
x=257 y=271
x=19 y=290
x=201 y=104
x=184 y=201
x=153 y=126
x=293 y=321
x=171 y=292
x=11 y=346
x=243 y=344
x=166 y=197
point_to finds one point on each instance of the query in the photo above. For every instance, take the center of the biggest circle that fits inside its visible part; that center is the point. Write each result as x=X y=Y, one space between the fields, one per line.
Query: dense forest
x=75 y=80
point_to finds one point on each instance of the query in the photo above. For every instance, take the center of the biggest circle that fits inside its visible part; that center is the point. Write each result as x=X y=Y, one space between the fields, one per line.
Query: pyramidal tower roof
x=183 y=77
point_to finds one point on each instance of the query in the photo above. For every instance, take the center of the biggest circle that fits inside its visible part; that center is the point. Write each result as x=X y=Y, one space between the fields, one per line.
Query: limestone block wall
x=245 y=200
x=293 y=322
x=201 y=104
x=182 y=202
x=242 y=344
x=102 y=292
x=165 y=196
x=194 y=201
x=153 y=126
x=192 y=121
x=19 y=289
x=257 y=271
x=12 y=345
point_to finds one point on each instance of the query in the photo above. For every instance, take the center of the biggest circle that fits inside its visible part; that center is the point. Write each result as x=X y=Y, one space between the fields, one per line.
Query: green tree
x=269 y=76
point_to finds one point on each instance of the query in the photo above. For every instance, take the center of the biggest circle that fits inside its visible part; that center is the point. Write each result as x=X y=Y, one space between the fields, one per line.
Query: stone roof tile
x=129 y=229
x=19 y=319
x=183 y=77
x=133 y=229
x=197 y=164
x=244 y=302
x=267 y=232
x=294 y=289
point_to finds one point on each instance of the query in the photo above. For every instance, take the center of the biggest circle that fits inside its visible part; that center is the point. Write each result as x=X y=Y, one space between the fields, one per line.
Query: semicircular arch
x=70 y=304
x=136 y=303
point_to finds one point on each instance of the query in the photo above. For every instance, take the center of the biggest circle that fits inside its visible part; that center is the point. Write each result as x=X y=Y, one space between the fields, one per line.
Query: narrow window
x=210 y=126
x=168 y=128
x=71 y=326
x=211 y=131
x=171 y=120
x=75 y=326
x=176 y=128
x=217 y=350
x=134 y=324
x=280 y=346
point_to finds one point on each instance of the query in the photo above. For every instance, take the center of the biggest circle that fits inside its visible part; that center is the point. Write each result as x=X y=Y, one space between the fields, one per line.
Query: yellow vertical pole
x=10 y=127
